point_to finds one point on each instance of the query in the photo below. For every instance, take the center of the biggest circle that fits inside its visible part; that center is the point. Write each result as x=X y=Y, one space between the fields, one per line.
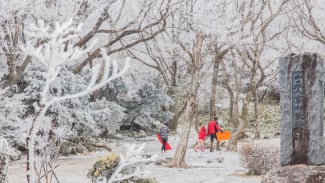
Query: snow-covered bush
x=104 y=167
x=259 y=158
x=6 y=151
x=116 y=168
x=84 y=116
x=148 y=105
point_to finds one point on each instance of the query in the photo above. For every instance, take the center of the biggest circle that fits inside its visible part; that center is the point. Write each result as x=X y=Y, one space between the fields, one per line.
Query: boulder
x=295 y=174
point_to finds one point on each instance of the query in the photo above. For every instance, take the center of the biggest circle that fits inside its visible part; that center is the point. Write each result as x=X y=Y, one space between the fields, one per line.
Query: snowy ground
x=205 y=166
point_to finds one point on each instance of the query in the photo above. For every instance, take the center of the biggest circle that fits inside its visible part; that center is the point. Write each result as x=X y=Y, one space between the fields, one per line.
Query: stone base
x=295 y=174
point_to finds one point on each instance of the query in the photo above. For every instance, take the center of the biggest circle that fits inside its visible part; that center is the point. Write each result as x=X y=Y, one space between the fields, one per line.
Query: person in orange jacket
x=213 y=127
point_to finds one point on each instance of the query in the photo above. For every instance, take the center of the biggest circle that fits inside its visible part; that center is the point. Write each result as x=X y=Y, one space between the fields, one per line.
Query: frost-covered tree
x=251 y=59
x=85 y=117
x=194 y=44
x=54 y=54
x=306 y=22
x=119 y=24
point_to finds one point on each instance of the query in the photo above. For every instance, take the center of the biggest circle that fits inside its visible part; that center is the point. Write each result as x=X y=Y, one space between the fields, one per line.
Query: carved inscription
x=298 y=117
x=321 y=87
x=297 y=93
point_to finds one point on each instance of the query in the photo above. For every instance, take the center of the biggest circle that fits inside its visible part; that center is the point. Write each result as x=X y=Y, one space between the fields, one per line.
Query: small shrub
x=141 y=180
x=104 y=167
x=259 y=158
x=122 y=168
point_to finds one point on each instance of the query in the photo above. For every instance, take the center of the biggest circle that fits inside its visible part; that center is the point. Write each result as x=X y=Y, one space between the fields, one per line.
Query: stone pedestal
x=301 y=109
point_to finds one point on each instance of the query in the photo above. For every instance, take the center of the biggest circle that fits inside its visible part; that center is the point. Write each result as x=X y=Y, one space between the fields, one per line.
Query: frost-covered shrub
x=259 y=158
x=6 y=149
x=104 y=167
x=82 y=115
x=147 y=106
x=117 y=168
x=6 y=152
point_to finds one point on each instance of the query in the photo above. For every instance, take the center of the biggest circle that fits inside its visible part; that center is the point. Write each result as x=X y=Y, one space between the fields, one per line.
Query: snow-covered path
x=206 y=167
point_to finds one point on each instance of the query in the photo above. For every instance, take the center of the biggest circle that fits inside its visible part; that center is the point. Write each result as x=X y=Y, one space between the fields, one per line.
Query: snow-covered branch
x=54 y=53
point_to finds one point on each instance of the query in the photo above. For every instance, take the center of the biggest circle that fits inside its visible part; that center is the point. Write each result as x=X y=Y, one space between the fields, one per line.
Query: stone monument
x=301 y=109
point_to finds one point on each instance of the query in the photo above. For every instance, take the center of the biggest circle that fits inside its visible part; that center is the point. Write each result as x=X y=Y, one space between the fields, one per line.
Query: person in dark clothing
x=213 y=127
x=164 y=131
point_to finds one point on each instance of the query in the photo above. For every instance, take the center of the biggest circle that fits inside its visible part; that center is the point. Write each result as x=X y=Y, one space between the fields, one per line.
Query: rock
x=209 y=161
x=220 y=159
x=140 y=134
x=67 y=148
x=158 y=162
x=295 y=174
x=80 y=148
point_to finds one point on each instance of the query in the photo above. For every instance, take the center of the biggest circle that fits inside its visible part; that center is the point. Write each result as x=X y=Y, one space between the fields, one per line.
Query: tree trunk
x=196 y=116
x=174 y=108
x=242 y=127
x=233 y=107
x=30 y=143
x=179 y=156
x=257 y=116
x=11 y=37
x=217 y=60
x=233 y=101
x=214 y=86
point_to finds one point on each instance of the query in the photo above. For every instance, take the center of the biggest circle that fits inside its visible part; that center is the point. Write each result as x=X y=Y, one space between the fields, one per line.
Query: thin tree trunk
x=30 y=141
x=233 y=108
x=196 y=116
x=233 y=101
x=217 y=60
x=214 y=87
x=174 y=108
x=257 y=120
x=242 y=127
x=173 y=93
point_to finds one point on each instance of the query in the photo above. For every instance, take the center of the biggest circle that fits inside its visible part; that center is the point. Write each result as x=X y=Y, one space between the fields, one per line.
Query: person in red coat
x=202 y=134
x=213 y=127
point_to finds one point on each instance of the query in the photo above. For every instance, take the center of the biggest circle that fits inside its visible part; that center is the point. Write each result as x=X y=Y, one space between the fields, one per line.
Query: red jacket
x=212 y=127
x=202 y=133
